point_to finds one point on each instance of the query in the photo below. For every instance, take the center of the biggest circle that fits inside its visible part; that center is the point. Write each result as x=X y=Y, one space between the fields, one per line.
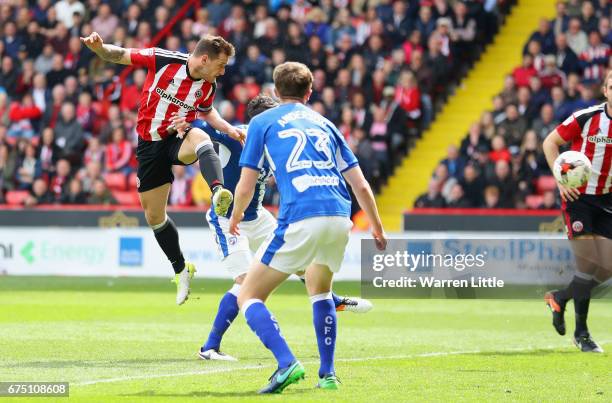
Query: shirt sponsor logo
x=599 y=139
x=164 y=95
x=303 y=182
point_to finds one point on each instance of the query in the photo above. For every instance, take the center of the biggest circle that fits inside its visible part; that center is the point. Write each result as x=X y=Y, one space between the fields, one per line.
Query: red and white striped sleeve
x=143 y=57
x=570 y=128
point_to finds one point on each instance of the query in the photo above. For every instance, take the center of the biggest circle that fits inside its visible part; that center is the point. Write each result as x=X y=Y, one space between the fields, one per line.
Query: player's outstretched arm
x=365 y=198
x=551 y=146
x=216 y=121
x=109 y=53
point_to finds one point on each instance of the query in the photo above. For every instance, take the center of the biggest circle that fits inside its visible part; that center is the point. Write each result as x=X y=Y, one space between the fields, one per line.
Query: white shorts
x=293 y=247
x=236 y=252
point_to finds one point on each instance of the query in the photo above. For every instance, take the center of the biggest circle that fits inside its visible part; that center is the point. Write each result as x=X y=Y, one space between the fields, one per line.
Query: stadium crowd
x=380 y=68
x=500 y=163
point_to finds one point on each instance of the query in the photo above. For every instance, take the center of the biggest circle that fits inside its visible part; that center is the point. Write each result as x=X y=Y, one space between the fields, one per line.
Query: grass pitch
x=124 y=339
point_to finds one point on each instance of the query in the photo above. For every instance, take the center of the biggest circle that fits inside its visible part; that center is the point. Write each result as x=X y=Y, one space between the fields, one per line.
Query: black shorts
x=590 y=214
x=155 y=160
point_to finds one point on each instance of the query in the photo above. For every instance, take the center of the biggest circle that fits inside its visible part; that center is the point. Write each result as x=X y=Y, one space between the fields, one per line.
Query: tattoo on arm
x=114 y=54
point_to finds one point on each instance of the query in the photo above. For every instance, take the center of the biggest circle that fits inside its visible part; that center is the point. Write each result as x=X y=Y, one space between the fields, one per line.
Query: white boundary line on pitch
x=358 y=359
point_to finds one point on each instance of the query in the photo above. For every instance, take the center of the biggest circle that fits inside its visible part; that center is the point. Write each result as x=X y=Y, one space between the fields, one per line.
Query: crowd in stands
x=380 y=67
x=500 y=163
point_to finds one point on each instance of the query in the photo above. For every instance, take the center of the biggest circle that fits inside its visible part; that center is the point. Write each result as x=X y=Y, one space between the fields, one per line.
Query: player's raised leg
x=154 y=204
x=198 y=146
x=260 y=281
x=318 y=283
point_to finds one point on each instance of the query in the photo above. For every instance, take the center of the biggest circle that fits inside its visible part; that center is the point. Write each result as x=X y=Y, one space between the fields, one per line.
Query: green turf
x=124 y=339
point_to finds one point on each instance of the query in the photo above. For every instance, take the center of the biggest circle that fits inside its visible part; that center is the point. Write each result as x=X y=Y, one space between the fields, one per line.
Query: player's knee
x=155 y=217
x=196 y=136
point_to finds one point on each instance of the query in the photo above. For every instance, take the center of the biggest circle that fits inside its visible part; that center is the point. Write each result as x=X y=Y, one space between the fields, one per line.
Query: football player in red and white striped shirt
x=587 y=212
x=177 y=84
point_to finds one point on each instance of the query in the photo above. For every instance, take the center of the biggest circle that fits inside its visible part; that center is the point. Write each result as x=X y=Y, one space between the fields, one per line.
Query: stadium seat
x=16 y=197
x=115 y=181
x=546 y=183
x=132 y=181
x=126 y=198
x=534 y=201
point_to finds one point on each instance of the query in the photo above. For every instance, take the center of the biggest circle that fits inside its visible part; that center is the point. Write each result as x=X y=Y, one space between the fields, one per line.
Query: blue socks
x=227 y=312
x=336 y=298
x=264 y=325
x=324 y=320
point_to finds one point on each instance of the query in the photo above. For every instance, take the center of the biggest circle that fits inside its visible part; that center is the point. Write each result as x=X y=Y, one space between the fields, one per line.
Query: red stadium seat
x=16 y=197
x=132 y=181
x=126 y=198
x=546 y=183
x=534 y=201
x=115 y=181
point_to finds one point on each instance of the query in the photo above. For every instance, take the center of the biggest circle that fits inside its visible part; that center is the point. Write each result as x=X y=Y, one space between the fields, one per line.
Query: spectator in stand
x=506 y=184
x=100 y=194
x=90 y=174
x=491 y=197
x=499 y=152
x=85 y=113
x=65 y=10
x=59 y=181
x=545 y=123
x=551 y=75
x=105 y=23
x=24 y=116
x=545 y=36
x=347 y=123
x=29 y=167
x=535 y=50
x=364 y=150
x=408 y=95
x=74 y=194
x=474 y=141
x=604 y=30
x=254 y=66
x=549 y=201
x=446 y=181
x=457 y=199
x=576 y=38
x=379 y=136
x=8 y=75
x=48 y=152
x=52 y=112
x=472 y=184
x=39 y=194
x=588 y=19
x=425 y=22
x=562 y=109
x=7 y=169
x=432 y=198
x=513 y=127
x=180 y=194
x=561 y=21
x=361 y=115
x=595 y=59
x=566 y=58
x=69 y=133
x=454 y=162
x=118 y=153
x=523 y=73
x=114 y=121
x=463 y=32
x=94 y=151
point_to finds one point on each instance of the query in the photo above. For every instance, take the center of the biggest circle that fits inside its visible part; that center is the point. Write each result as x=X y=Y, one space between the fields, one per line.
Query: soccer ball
x=572 y=169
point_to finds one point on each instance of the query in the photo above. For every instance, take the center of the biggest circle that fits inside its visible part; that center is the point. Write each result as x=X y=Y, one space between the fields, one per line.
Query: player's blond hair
x=292 y=80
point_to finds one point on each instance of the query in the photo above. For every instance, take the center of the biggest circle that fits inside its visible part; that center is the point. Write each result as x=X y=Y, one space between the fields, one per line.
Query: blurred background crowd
x=500 y=163
x=381 y=68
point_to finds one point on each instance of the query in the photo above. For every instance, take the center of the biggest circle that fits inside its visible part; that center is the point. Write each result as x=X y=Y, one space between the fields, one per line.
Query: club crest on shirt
x=198 y=94
x=577 y=226
x=147 y=52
